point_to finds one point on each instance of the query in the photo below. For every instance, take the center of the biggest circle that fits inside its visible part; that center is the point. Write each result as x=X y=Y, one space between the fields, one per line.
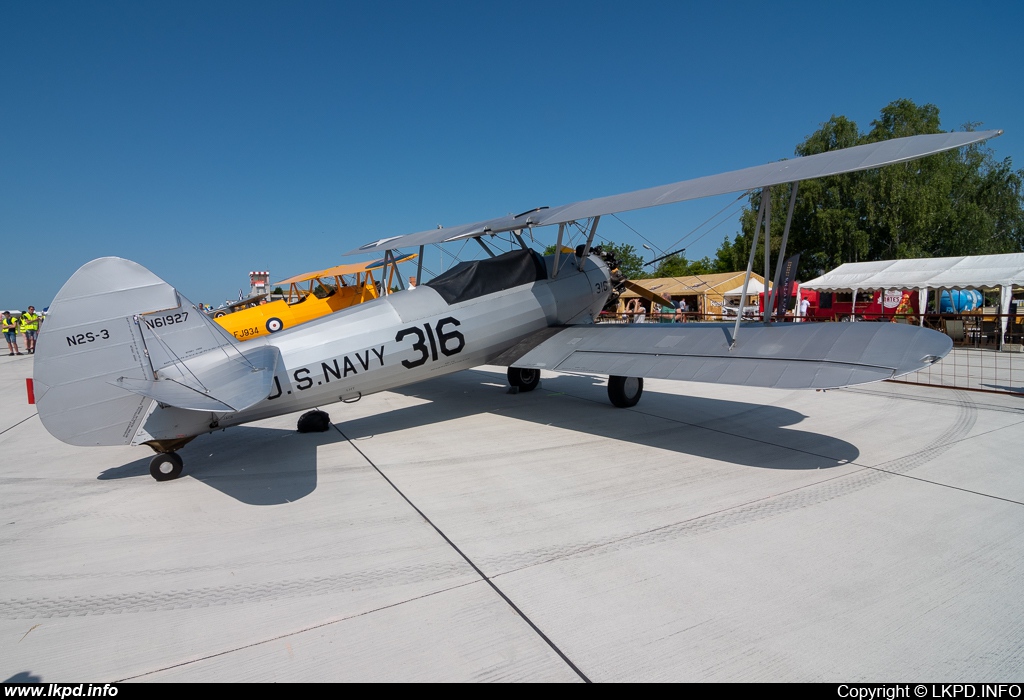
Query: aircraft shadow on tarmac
x=23 y=677
x=1007 y=389
x=710 y=428
x=270 y=466
x=255 y=465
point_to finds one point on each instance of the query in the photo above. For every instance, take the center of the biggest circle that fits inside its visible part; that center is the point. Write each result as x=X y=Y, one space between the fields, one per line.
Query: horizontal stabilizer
x=781 y=355
x=230 y=382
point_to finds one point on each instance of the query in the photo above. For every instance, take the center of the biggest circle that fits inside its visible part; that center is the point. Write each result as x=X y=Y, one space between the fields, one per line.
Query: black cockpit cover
x=475 y=278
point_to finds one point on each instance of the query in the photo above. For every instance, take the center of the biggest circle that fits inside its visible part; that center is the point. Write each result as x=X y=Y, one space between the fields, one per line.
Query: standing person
x=629 y=313
x=805 y=304
x=30 y=327
x=10 y=328
x=641 y=312
x=667 y=313
x=681 y=308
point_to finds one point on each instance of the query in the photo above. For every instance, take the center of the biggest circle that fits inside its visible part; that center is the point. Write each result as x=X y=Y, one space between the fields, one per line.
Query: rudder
x=99 y=330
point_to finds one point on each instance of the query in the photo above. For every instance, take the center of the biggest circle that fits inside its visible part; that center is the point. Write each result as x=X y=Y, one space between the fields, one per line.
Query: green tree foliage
x=962 y=202
x=679 y=266
x=631 y=264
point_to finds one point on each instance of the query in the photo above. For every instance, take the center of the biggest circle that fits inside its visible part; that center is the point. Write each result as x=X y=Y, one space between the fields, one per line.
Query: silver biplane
x=124 y=358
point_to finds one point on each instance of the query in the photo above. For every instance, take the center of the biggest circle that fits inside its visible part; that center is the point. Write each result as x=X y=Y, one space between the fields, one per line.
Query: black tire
x=625 y=392
x=274 y=325
x=314 y=422
x=525 y=378
x=166 y=466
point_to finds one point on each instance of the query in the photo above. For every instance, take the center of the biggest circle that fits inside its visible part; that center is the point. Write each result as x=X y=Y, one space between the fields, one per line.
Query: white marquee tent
x=753 y=289
x=985 y=272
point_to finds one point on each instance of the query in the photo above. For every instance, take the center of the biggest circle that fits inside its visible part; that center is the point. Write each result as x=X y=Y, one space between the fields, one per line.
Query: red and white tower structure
x=259 y=282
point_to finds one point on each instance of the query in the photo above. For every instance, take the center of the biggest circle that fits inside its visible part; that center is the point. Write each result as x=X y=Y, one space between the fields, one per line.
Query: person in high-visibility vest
x=10 y=328
x=30 y=327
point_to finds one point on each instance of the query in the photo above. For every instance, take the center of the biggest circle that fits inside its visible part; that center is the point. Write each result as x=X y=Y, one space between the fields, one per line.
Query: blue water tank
x=960 y=300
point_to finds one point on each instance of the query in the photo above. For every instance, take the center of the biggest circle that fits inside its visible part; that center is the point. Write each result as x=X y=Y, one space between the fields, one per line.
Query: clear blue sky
x=207 y=139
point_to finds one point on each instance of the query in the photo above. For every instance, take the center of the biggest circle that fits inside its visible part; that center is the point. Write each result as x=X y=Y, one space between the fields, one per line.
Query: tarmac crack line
x=547 y=640
x=946 y=445
x=294 y=633
x=12 y=427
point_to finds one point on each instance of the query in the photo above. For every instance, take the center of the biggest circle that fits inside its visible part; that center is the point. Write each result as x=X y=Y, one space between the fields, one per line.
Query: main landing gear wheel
x=625 y=392
x=524 y=378
x=314 y=422
x=166 y=466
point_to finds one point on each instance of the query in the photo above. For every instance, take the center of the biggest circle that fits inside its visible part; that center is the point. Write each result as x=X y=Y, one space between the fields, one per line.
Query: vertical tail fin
x=112 y=328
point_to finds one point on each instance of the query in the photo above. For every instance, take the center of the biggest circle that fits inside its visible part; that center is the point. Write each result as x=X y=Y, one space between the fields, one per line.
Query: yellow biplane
x=310 y=296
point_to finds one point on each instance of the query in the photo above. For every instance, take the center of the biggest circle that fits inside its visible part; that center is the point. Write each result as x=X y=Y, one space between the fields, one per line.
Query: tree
x=961 y=202
x=631 y=264
x=679 y=266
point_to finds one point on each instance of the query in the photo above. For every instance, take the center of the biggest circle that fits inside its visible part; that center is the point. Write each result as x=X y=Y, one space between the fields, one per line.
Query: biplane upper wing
x=847 y=160
x=782 y=355
x=337 y=270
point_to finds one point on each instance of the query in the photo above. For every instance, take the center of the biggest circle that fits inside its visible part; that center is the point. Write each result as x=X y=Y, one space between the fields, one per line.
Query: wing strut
x=419 y=268
x=390 y=261
x=519 y=237
x=590 y=240
x=767 y=242
x=558 y=251
x=765 y=197
x=480 y=240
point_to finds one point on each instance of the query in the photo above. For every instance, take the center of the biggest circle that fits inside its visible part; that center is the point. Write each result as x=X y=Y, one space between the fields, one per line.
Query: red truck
x=879 y=305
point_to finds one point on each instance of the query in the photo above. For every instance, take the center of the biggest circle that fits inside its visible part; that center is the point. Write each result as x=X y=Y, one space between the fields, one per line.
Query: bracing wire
x=687 y=235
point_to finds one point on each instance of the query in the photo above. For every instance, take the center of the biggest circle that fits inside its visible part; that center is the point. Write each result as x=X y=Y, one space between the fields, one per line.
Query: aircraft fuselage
x=399 y=339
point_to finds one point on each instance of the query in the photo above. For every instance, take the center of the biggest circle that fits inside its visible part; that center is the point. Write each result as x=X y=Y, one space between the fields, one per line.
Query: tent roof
x=715 y=283
x=971 y=271
x=755 y=287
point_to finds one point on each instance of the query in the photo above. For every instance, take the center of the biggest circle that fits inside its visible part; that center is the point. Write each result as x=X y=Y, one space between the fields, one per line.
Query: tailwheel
x=625 y=392
x=524 y=378
x=166 y=466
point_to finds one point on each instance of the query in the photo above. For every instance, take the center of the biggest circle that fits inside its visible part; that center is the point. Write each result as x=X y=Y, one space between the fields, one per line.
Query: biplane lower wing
x=783 y=356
